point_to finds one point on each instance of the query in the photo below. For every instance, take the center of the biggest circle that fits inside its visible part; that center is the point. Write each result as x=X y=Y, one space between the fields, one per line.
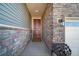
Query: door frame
x=33 y=28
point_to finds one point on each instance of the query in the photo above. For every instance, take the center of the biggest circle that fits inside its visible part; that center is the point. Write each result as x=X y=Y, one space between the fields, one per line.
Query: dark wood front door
x=37 y=30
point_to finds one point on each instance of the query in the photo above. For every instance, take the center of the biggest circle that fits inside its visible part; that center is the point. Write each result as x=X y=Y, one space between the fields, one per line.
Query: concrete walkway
x=36 y=49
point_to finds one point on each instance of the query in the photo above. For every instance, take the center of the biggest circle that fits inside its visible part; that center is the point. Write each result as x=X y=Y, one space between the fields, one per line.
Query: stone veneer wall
x=48 y=25
x=53 y=31
x=60 y=11
x=13 y=41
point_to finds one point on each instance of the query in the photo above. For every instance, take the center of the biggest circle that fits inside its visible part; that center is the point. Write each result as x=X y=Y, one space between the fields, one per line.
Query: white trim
x=2 y=26
x=71 y=19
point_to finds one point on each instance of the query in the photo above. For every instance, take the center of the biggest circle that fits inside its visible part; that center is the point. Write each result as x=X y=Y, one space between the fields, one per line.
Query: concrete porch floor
x=36 y=49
